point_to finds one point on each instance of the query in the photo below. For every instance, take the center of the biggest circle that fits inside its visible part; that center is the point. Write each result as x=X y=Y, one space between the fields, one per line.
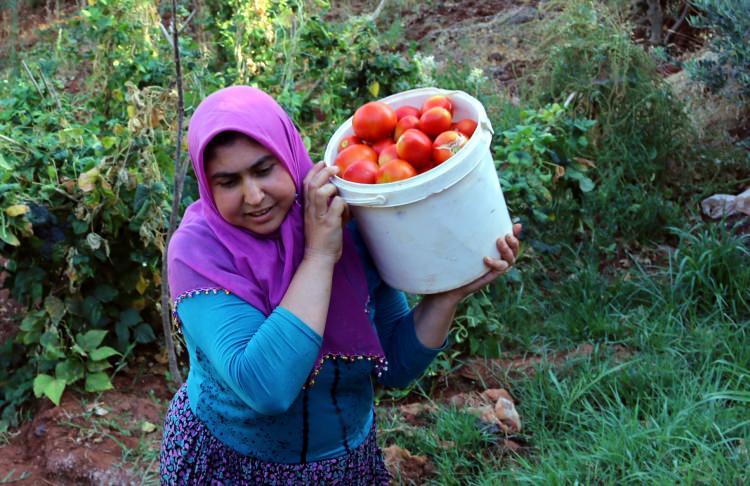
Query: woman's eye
x=228 y=183
x=265 y=169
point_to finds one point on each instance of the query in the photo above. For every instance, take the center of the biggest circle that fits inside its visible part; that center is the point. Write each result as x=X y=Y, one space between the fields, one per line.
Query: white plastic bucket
x=429 y=233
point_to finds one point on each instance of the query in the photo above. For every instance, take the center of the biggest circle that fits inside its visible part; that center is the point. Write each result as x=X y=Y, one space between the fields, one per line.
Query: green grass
x=675 y=408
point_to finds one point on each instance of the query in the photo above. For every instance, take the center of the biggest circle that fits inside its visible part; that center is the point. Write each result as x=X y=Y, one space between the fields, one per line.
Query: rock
x=505 y=411
x=410 y=468
x=413 y=411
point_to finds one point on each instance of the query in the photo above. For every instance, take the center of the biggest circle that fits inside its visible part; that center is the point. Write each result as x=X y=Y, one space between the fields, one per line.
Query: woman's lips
x=260 y=216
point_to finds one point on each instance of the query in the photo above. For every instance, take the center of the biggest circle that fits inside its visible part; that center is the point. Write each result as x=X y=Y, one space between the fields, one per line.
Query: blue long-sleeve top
x=247 y=371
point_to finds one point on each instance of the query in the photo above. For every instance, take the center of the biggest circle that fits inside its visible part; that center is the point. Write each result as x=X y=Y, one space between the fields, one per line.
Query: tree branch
x=179 y=180
x=656 y=17
x=673 y=30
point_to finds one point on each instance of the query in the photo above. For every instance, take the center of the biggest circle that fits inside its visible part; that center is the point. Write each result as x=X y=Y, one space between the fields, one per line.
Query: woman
x=285 y=318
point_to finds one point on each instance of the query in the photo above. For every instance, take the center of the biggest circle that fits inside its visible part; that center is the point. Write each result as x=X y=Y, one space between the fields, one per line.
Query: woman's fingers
x=499 y=266
x=506 y=253
x=513 y=244
x=318 y=190
x=322 y=196
x=337 y=208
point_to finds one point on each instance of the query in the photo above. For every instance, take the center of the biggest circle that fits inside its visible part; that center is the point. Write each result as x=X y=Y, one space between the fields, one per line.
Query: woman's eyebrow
x=264 y=158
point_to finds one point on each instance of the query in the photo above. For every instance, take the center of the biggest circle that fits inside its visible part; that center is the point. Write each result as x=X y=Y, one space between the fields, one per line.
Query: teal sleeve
x=265 y=360
x=407 y=356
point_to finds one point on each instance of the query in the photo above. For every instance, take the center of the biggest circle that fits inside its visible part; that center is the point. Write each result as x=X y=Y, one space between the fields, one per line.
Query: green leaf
x=98 y=382
x=91 y=340
x=105 y=293
x=70 y=371
x=102 y=353
x=586 y=184
x=40 y=383
x=144 y=334
x=4 y=163
x=32 y=322
x=130 y=317
x=94 y=366
x=92 y=310
x=50 y=387
x=8 y=237
x=55 y=308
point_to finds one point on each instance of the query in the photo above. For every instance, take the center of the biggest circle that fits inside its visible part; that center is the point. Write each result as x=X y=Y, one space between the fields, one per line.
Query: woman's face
x=251 y=188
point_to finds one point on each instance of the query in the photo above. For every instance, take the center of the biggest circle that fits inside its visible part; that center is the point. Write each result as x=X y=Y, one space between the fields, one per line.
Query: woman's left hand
x=508 y=248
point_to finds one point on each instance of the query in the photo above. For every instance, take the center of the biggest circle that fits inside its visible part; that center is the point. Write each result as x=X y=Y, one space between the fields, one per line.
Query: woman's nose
x=252 y=192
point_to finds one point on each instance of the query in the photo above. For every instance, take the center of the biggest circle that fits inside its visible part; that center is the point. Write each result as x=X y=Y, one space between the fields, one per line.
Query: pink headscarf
x=207 y=253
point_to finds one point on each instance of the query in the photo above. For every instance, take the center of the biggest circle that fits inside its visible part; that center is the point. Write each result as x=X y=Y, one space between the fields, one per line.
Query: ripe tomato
x=395 y=170
x=354 y=153
x=446 y=145
x=382 y=144
x=374 y=121
x=388 y=153
x=466 y=126
x=435 y=121
x=348 y=141
x=407 y=122
x=406 y=111
x=437 y=100
x=415 y=147
x=362 y=171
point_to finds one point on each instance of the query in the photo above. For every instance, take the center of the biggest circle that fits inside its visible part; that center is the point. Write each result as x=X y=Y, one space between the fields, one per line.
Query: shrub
x=729 y=21
x=640 y=127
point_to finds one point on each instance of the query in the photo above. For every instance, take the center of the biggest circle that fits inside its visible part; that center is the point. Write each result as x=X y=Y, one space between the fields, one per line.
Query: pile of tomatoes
x=391 y=145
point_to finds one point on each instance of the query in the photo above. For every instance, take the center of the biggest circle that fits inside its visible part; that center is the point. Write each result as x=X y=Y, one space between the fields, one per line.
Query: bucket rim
x=376 y=194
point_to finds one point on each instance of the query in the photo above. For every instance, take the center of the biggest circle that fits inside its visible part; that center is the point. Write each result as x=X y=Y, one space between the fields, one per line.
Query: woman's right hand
x=324 y=211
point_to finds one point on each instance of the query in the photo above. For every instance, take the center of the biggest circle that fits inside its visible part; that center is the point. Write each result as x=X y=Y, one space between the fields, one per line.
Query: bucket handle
x=377 y=200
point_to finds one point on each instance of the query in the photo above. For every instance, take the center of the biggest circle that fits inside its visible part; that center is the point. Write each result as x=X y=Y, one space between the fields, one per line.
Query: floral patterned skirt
x=190 y=454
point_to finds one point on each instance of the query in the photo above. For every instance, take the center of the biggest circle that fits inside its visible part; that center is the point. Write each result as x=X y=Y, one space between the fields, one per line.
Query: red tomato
x=388 y=153
x=354 y=153
x=431 y=166
x=446 y=145
x=435 y=121
x=415 y=147
x=406 y=111
x=374 y=121
x=395 y=170
x=437 y=100
x=407 y=122
x=362 y=171
x=382 y=144
x=466 y=126
x=348 y=141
